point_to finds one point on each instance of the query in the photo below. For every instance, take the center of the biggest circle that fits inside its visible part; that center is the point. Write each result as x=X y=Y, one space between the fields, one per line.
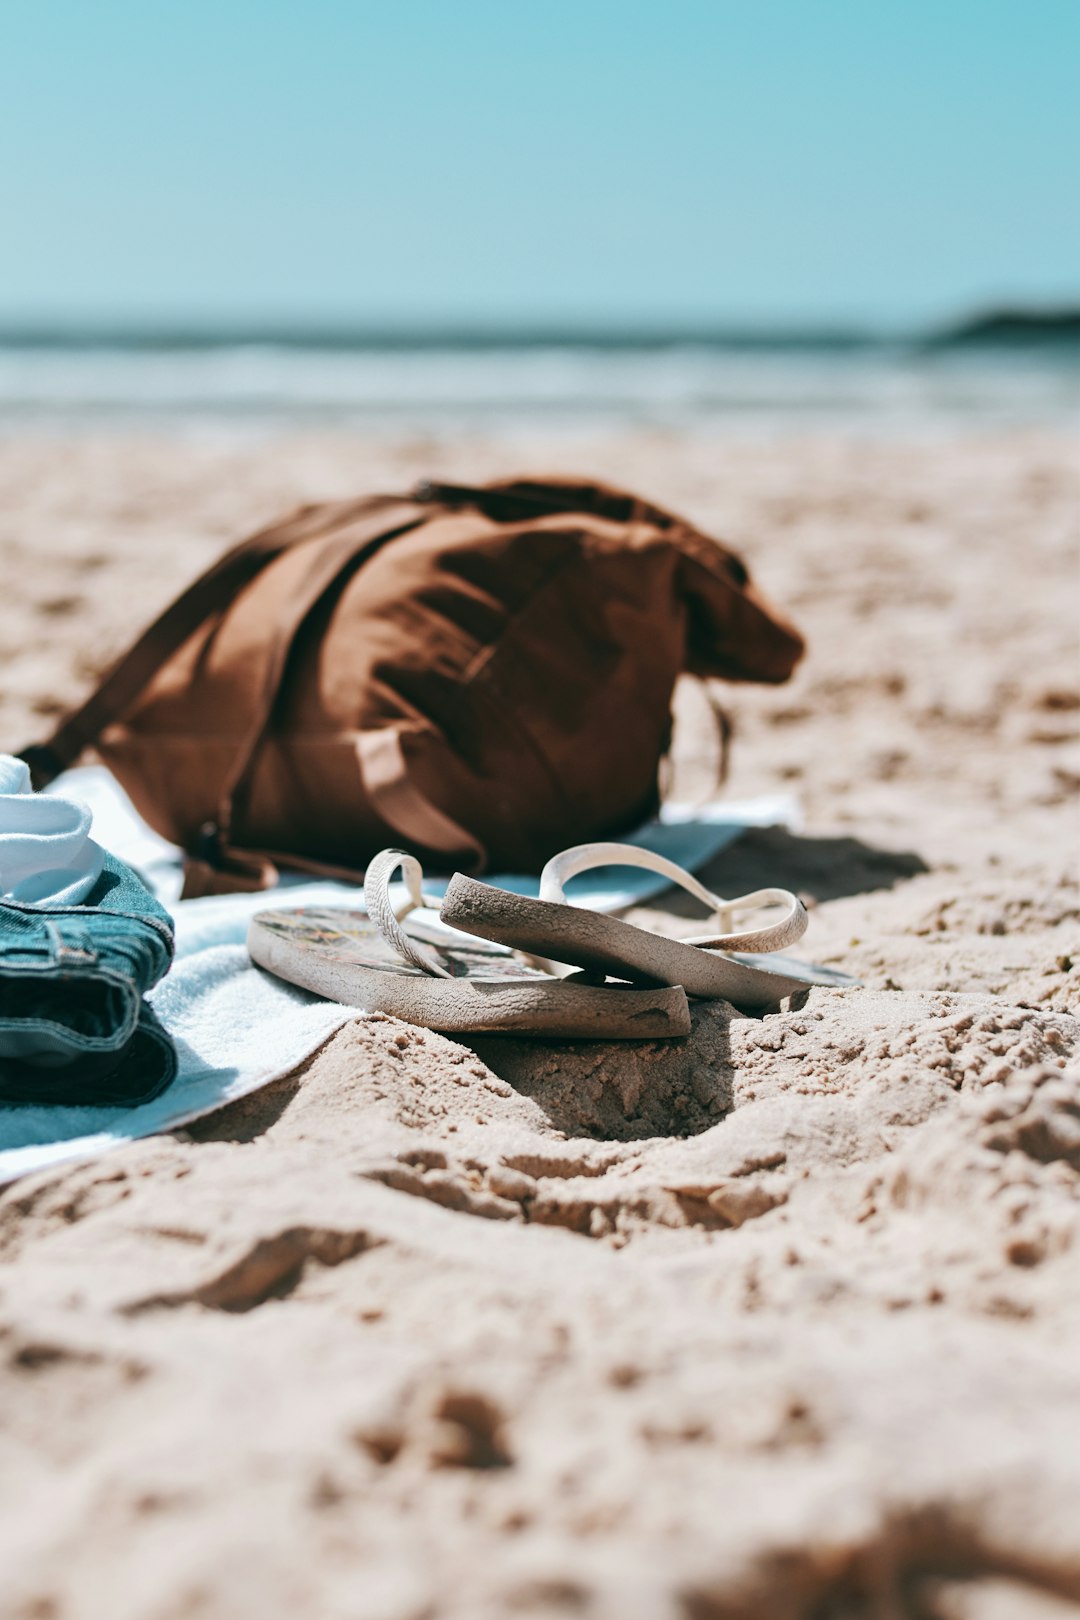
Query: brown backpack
x=482 y=674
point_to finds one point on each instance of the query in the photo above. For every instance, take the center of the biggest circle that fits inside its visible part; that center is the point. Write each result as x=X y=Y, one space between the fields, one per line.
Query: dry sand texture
x=778 y=1323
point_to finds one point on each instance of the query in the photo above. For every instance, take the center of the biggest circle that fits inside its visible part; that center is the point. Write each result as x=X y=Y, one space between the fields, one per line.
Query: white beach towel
x=237 y=1028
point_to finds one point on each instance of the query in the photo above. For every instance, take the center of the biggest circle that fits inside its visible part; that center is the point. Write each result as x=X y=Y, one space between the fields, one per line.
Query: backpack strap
x=392 y=789
x=209 y=594
x=381 y=757
x=217 y=864
x=215 y=852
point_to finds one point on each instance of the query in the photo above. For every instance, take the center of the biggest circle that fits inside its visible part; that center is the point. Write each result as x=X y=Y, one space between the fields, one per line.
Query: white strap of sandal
x=585 y=857
x=387 y=918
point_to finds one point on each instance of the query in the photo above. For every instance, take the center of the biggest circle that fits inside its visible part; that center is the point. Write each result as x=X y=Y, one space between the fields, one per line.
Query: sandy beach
x=780 y=1322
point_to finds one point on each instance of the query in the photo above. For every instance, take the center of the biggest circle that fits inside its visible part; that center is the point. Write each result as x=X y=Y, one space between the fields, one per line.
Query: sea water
x=431 y=384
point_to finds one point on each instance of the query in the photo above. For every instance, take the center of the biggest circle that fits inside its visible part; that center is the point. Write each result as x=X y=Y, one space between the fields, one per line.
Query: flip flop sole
x=322 y=953
x=589 y=939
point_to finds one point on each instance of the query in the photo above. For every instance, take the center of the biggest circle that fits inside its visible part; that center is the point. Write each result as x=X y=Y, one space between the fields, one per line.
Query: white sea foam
x=439 y=390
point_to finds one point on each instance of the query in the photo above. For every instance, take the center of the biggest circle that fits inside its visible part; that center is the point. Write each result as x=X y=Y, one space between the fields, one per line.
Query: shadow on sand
x=823 y=868
x=623 y=1091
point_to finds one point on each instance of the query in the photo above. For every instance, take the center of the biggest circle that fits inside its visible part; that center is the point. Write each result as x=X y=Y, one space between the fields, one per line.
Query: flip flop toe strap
x=381 y=910
x=776 y=936
x=773 y=937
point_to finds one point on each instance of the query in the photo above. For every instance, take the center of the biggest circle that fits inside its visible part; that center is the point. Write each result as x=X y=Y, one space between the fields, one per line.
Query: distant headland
x=1011 y=329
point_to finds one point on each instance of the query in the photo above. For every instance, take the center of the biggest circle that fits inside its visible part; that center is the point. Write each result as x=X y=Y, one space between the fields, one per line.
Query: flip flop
x=550 y=929
x=459 y=986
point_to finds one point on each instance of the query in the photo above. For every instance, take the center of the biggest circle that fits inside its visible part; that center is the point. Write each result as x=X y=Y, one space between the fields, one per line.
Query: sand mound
x=780 y=1322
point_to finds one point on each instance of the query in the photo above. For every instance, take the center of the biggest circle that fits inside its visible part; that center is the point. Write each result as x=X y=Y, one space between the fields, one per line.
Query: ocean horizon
x=999 y=370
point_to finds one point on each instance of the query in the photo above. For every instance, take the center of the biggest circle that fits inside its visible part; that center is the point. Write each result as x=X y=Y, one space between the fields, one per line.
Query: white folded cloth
x=47 y=856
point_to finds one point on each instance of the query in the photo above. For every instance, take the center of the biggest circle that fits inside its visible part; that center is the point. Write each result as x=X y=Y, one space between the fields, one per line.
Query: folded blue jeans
x=74 y=1027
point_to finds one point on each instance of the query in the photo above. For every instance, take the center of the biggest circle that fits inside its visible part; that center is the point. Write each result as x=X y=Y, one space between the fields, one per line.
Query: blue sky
x=481 y=160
